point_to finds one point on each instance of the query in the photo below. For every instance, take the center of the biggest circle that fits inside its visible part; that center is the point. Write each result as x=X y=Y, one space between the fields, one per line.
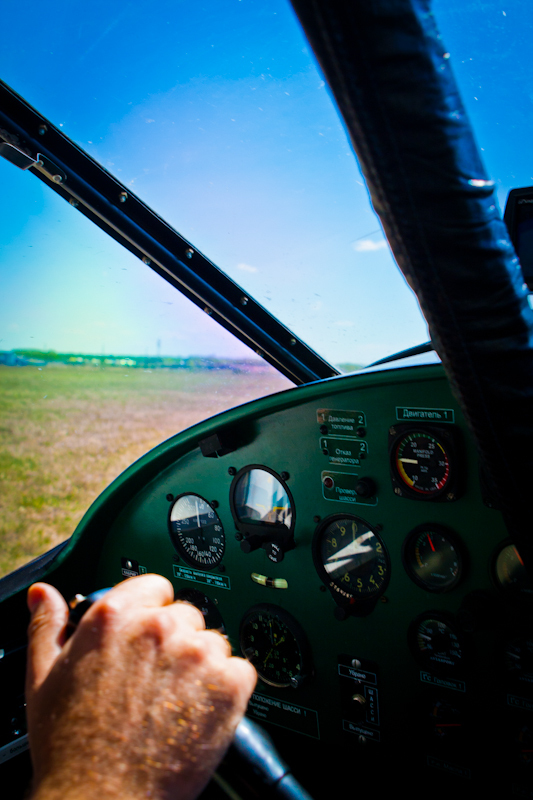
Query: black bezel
x=296 y=630
x=452 y=538
x=449 y=438
x=177 y=544
x=257 y=528
x=350 y=602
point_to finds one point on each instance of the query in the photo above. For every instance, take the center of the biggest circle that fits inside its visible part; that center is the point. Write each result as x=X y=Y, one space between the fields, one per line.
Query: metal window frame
x=32 y=142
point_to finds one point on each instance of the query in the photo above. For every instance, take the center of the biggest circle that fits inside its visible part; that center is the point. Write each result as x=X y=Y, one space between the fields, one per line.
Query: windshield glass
x=217 y=116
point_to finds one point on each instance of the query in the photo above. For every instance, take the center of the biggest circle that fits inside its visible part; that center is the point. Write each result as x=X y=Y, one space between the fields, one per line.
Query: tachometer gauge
x=432 y=558
x=196 y=531
x=422 y=463
x=351 y=559
x=435 y=643
x=273 y=641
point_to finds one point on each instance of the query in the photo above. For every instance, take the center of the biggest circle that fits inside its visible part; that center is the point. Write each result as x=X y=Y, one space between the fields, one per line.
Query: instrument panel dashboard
x=342 y=536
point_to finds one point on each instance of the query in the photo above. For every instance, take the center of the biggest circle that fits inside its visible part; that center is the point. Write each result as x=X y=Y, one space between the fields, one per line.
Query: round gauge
x=509 y=571
x=213 y=619
x=259 y=497
x=518 y=658
x=276 y=645
x=445 y=720
x=421 y=463
x=351 y=558
x=196 y=531
x=432 y=558
x=434 y=642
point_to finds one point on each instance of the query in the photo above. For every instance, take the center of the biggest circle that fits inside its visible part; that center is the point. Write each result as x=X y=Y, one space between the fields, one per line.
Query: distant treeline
x=22 y=357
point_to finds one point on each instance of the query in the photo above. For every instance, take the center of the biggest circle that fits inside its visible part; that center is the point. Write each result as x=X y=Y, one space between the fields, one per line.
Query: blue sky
x=216 y=115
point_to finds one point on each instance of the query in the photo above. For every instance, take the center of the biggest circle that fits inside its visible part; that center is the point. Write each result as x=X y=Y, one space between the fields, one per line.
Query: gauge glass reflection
x=260 y=497
x=197 y=531
x=509 y=571
x=353 y=557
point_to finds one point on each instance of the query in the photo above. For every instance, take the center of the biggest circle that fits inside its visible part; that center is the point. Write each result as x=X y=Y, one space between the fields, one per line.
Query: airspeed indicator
x=196 y=531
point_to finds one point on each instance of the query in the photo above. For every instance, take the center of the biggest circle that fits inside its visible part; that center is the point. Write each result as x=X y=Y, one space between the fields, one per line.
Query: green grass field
x=66 y=432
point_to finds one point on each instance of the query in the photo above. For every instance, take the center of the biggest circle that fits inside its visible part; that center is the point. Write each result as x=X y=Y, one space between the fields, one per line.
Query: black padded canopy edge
x=392 y=78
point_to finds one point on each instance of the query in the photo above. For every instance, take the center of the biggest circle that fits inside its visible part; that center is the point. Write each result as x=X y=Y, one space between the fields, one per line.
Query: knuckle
x=104 y=614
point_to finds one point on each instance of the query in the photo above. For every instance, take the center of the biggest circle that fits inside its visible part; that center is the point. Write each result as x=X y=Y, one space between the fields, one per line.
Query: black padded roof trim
x=391 y=75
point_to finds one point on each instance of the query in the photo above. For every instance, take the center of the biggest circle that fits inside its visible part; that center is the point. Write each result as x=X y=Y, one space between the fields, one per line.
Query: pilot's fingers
x=244 y=678
x=149 y=600
x=149 y=591
x=46 y=632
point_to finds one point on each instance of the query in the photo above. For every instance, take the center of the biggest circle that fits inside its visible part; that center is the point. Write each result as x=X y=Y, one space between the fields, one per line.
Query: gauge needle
x=409 y=460
x=197 y=514
x=431 y=543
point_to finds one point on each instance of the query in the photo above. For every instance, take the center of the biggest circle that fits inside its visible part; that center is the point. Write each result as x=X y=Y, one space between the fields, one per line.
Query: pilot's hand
x=141 y=701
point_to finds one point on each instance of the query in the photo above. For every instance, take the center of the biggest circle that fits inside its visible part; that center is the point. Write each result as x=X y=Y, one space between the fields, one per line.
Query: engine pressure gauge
x=423 y=463
x=351 y=559
x=273 y=641
x=196 y=531
x=433 y=559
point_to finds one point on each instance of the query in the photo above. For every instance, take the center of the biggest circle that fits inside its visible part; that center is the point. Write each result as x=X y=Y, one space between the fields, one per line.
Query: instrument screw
x=232 y=471
x=214 y=503
x=285 y=476
x=243 y=301
x=361 y=432
x=189 y=252
x=42 y=129
x=123 y=196
x=170 y=497
x=73 y=203
x=323 y=429
x=57 y=179
x=292 y=342
x=316 y=518
x=146 y=260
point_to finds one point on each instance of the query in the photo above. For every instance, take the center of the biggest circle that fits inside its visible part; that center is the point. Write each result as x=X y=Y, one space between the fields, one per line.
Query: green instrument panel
x=325 y=545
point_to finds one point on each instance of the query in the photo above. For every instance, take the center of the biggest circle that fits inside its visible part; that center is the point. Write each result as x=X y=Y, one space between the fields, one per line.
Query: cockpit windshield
x=217 y=116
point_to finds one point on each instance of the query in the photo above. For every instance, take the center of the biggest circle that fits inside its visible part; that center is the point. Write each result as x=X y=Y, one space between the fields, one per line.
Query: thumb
x=49 y=614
